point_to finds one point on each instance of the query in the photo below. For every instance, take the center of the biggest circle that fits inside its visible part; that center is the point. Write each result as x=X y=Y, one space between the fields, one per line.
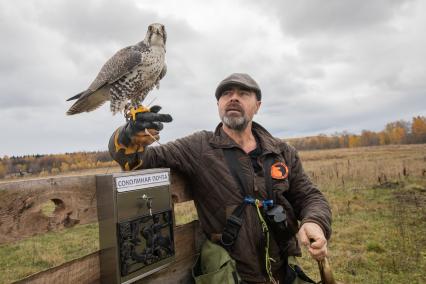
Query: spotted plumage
x=127 y=76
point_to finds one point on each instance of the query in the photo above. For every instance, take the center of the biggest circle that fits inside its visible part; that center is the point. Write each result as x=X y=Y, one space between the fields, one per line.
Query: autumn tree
x=418 y=129
x=384 y=138
x=397 y=131
x=369 y=138
x=2 y=170
x=354 y=141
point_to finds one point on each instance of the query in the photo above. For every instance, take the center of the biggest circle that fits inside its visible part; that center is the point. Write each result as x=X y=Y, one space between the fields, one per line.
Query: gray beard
x=235 y=123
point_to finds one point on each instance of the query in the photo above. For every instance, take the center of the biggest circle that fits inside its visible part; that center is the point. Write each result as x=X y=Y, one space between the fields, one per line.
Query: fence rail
x=74 y=198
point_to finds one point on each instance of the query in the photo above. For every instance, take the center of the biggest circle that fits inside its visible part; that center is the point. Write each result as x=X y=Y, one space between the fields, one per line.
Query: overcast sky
x=323 y=66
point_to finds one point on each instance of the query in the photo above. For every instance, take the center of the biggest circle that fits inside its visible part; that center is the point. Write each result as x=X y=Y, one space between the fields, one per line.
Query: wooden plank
x=21 y=204
x=81 y=270
x=188 y=238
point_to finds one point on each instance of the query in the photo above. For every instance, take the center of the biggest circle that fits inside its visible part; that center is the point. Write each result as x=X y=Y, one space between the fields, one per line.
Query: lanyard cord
x=265 y=230
x=234 y=223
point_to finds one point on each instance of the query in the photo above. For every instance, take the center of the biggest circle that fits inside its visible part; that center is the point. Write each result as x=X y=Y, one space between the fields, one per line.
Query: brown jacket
x=200 y=158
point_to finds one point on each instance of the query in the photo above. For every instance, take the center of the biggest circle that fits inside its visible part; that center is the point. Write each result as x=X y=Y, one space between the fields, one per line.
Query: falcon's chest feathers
x=137 y=83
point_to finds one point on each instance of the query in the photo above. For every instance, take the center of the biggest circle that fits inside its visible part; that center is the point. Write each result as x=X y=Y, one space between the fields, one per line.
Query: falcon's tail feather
x=75 y=97
x=88 y=101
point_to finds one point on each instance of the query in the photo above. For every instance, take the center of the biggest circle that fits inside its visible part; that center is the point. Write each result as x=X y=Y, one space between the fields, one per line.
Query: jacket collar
x=268 y=143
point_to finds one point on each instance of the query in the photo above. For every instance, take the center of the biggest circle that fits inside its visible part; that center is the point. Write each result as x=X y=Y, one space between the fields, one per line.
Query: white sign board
x=127 y=183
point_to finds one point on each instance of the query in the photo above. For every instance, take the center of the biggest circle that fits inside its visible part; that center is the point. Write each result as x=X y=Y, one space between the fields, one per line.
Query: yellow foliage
x=2 y=171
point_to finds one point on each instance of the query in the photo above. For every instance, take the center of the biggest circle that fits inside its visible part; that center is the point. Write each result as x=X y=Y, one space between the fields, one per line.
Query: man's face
x=237 y=106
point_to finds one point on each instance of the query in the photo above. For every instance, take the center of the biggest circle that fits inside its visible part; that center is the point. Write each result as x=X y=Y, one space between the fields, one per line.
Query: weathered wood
x=188 y=238
x=21 y=204
x=81 y=270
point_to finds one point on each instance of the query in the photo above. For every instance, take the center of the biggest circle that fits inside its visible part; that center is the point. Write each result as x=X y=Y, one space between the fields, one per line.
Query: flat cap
x=238 y=79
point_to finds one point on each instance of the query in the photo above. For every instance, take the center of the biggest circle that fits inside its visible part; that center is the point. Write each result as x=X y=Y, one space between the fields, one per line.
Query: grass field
x=378 y=199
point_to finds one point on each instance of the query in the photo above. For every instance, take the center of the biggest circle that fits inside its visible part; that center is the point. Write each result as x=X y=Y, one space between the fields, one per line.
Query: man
x=201 y=157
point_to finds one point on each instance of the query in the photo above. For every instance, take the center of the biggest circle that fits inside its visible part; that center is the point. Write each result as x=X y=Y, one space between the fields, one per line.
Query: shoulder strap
x=235 y=220
x=267 y=164
x=235 y=168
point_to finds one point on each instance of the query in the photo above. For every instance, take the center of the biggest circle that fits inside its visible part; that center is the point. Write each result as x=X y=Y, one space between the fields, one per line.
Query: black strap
x=235 y=168
x=235 y=220
x=267 y=164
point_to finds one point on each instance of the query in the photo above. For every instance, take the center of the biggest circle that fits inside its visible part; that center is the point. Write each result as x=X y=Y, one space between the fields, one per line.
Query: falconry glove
x=145 y=128
x=128 y=142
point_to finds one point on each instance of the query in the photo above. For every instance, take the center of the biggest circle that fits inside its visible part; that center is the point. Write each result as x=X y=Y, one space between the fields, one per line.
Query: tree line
x=397 y=132
x=43 y=165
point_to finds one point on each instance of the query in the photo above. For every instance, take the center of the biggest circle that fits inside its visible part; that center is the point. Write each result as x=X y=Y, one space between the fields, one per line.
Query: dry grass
x=185 y=212
x=378 y=199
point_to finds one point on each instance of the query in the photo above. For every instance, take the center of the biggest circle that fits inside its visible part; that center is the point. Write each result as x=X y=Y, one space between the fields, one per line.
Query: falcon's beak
x=156 y=35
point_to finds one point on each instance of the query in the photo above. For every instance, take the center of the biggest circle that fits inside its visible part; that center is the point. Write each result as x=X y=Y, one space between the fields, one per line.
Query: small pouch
x=215 y=265
x=295 y=274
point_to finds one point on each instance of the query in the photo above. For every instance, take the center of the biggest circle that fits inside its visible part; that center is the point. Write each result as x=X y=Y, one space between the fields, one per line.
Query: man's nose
x=234 y=96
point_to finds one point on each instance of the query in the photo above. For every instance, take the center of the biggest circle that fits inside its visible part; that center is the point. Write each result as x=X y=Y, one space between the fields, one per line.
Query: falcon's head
x=156 y=35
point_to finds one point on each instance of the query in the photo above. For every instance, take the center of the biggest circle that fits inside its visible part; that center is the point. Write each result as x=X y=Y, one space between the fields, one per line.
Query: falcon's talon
x=133 y=111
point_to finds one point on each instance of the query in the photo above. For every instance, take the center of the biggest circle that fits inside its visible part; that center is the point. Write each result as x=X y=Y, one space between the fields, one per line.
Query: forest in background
x=398 y=132
x=44 y=165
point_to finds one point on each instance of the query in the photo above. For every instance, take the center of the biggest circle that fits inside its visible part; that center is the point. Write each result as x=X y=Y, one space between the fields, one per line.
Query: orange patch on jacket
x=279 y=170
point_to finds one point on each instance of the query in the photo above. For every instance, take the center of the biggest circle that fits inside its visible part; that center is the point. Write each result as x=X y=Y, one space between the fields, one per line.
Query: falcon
x=127 y=77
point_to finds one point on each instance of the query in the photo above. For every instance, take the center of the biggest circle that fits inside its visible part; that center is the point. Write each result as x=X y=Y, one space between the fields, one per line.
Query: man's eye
x=226 y=93
x=245 y=93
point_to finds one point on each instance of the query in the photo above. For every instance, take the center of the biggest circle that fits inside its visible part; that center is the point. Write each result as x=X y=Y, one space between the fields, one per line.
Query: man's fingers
x=312 y=236
x=155 y=109
x=152 y=116
x=303 y=237
x=318 y=254
x=151 y=131
x=142 y=125
x=164 y=117
x=318 y=243
x=143 y=138
x=318 y=248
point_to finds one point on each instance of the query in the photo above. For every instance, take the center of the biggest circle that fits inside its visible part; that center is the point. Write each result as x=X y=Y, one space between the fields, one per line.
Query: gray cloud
x=306 y=17
x=323 y=66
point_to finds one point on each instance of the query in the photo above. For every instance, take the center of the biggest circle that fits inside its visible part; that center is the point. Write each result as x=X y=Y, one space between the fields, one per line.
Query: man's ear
x=258 y=103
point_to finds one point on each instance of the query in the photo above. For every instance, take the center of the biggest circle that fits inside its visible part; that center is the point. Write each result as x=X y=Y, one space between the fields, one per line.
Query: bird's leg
x=134 y=109
x=126 y=109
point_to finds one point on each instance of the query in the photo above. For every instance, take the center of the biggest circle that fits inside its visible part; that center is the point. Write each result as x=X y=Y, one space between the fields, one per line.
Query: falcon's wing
x=118 y=65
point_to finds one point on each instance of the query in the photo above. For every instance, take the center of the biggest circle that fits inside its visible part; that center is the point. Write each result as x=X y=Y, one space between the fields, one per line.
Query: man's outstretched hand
x=312 y=236
x=151 y=122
